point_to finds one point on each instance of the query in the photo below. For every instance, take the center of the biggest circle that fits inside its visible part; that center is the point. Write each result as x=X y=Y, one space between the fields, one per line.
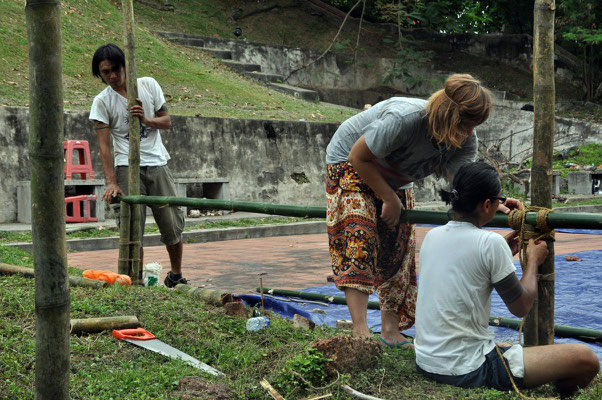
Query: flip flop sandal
x=396 y=345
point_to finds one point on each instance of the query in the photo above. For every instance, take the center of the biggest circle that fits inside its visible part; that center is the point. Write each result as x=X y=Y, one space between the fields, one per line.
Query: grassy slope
x=194 y=83
x=310 y=29
x=313 y=30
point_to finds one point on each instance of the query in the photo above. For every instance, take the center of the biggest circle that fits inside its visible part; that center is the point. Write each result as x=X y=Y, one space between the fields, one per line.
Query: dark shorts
x=490 y=374
x=155 y=181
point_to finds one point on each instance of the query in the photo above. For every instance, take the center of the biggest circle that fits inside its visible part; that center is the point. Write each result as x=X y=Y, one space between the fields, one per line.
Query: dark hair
x=474 y=183
x=108 y=52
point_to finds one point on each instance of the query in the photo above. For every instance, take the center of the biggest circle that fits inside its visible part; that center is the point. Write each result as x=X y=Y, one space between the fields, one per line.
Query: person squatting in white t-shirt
x=460 y=265
x=111 y=117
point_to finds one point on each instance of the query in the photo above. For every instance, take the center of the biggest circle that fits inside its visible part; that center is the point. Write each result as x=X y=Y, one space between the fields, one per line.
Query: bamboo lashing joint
x=516 y=220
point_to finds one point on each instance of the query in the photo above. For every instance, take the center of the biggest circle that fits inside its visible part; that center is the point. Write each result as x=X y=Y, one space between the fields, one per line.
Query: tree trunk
x=46 y=157
x=543 y=148
x=134 y=156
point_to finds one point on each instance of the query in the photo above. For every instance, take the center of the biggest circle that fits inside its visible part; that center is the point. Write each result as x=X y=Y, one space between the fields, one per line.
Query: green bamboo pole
x=8 y=269
x=554 y=220
x=46 y=155
x=93 y=325
x=584 y=334
x=564 y=331
x=134 y=138
x=539 y=328
x=123 y=264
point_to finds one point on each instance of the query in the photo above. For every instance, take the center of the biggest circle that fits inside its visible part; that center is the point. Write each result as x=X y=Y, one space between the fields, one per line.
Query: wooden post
x=134 y=134
x=543 y=148
x=47 y=165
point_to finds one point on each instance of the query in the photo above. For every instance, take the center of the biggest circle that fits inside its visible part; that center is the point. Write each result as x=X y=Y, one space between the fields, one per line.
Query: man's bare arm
x=519 y=295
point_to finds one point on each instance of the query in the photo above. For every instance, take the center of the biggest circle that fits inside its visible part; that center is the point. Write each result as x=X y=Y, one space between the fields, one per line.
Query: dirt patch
x=193 y=387
x=348 y=353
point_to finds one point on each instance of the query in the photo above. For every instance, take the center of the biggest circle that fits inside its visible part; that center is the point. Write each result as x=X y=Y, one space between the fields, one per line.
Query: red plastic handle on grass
x=133 y=334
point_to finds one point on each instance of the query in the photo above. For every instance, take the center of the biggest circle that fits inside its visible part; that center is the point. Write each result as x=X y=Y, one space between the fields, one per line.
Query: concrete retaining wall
x=264 y=161
x=333 y=70
x=508 y=133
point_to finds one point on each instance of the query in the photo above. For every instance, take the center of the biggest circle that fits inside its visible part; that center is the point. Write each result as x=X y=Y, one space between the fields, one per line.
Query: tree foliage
x=578 y=30
x=577 y=25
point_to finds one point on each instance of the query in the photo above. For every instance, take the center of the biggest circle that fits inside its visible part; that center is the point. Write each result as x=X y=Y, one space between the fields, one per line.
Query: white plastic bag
x=151 y=273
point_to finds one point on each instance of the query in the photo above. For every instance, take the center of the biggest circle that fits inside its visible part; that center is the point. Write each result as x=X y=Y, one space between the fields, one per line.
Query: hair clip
x=454 y=195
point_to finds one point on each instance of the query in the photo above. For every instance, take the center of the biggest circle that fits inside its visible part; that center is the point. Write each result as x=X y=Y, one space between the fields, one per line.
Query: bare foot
x=363 y=333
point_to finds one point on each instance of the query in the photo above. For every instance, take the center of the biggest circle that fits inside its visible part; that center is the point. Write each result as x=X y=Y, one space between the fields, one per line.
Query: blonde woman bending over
x=373 y=159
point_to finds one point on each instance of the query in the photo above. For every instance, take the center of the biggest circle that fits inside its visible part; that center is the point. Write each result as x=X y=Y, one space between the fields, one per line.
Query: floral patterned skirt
x=366 y=255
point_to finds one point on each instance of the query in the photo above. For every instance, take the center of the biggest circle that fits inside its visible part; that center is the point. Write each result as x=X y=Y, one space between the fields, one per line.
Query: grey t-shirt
x=396 y=132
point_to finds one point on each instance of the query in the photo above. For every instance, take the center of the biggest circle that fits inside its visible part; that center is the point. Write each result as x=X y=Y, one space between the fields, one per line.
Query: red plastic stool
x=80 y=208
x=85 y=164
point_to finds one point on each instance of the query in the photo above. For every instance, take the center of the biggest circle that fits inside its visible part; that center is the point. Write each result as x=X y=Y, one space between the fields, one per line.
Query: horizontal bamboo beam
x=554 y=220
x=583 y=334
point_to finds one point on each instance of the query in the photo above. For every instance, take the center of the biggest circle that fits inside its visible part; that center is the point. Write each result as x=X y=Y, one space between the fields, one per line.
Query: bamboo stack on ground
x=211 y=296
x=93 y=325
x=73 y=280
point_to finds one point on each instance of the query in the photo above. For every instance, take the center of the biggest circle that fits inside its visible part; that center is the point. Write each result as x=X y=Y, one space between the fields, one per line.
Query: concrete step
x=241 y=67
x=218 y=53
x=265 y=77
x=176 y=35
x=304 y=94
x=188 y=41
x=195 y=236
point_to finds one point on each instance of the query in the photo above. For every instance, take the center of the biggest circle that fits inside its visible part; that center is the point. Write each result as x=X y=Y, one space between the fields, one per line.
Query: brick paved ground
x=290 y=262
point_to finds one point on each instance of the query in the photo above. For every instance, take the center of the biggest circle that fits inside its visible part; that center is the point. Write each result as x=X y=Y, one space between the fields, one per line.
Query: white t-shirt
x=110 y=107
x=458 y=265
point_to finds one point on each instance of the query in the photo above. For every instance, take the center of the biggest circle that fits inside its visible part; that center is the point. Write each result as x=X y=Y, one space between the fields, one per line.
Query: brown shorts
x=155 y=181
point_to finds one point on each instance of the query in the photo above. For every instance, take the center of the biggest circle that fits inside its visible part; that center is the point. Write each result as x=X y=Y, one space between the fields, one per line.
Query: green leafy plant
x=303 y=371
x=584 y=156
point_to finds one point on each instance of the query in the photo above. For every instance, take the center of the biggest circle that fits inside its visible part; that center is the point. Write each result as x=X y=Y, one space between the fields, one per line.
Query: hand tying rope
x=516 y=220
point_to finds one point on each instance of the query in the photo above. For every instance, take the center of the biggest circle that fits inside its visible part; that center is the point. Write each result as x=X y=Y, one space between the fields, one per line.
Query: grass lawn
x=104 y=368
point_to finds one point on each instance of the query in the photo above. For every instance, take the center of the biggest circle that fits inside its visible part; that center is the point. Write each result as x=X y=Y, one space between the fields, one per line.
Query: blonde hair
x=453 y=111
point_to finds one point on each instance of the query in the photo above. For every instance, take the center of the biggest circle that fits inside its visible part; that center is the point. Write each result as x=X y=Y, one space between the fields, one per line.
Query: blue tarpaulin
x=577 y=301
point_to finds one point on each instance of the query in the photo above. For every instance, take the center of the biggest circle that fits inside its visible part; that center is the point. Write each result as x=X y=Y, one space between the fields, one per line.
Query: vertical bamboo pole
x=543 y=148
x=123 y=265
x=134 y=156
x=48 y=199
